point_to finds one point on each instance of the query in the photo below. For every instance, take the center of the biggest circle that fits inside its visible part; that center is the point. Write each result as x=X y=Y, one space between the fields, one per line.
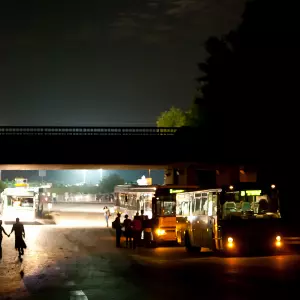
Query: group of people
x=132 y=229
x=18 y=228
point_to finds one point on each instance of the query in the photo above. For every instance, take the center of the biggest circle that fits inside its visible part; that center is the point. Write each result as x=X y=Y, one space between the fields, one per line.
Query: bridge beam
x=209 y=176
x=27 y=167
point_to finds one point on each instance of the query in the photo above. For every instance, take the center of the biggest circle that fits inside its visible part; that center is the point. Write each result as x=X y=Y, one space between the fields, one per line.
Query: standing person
x=1 y=237
x=136 y=231
x=147 y=226
x=118 y=227
x=143 y=218
x=106 y=214
x=20 y=245
x=128 y=231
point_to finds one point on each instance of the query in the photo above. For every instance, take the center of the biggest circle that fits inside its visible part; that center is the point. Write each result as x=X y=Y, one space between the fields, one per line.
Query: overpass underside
x=124 y=147
x=182 y=153
x=99 y=148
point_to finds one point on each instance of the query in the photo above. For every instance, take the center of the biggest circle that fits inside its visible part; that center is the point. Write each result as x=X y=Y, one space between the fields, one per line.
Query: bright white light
x=149 y=214
x=10 y=215
x=142 y=181
x=191 y=218
x=80 y=223
x=101 y=174
x=230 y=240
x=84 y=176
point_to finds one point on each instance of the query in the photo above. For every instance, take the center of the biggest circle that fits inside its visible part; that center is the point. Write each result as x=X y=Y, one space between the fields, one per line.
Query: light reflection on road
x=75 y=219
x=55 y=252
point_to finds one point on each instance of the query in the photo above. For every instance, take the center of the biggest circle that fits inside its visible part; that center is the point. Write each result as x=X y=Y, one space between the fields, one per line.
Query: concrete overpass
x=99 y=147
x=188 y=156
x=91 y=146
x=180 y=151
x=111 y=146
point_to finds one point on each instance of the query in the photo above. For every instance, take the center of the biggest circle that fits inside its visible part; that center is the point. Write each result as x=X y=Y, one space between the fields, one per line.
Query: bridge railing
x=85 y=131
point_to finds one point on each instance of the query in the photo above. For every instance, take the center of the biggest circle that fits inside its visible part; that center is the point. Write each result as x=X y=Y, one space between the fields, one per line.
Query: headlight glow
x=160 y=232
x=230 y=242
x=278 y=241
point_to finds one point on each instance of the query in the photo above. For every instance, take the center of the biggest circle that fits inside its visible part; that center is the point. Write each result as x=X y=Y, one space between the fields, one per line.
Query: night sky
x=103 y=63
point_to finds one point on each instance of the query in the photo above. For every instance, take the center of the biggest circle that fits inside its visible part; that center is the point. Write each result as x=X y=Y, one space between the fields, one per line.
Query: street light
x=101 y=174
x=84 y=176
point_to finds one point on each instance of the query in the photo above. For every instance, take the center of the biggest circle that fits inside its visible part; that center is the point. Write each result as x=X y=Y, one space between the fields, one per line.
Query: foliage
x=174 y=117
x=109 y=182
x=251 y=70
x=2 y=186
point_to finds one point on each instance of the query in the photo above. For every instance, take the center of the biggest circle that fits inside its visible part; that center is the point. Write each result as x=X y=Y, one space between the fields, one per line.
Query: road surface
x=79 y=214
x=82 y=207
x=62 y=262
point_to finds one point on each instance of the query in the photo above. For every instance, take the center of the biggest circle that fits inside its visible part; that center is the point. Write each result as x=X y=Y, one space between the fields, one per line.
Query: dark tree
x=3 y=186
x=250 y=82
x=108 y=183
x=250 y=91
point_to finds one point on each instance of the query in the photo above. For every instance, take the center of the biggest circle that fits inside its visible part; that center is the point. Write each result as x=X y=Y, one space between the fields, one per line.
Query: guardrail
x=85 y=131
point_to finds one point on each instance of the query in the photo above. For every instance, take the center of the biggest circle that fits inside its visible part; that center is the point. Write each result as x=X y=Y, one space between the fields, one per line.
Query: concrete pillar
x=227 y=176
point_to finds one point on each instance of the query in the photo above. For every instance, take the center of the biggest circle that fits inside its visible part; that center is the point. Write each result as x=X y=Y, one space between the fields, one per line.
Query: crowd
x=133 y=230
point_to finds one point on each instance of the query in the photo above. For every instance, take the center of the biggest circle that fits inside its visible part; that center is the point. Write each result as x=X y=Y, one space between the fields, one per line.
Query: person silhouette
x=20 y=245
x=1 y=237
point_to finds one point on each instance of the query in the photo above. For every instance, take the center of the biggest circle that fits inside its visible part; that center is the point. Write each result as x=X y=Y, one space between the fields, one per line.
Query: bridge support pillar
x=193 y=175
x=180 y=176
x=209 y=177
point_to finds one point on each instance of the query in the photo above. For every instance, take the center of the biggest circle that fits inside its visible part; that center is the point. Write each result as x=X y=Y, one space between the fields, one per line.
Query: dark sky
x=103 y=63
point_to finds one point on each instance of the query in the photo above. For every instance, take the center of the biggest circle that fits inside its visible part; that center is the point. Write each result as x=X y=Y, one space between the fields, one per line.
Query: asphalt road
x=67 y=262
x=75 y=219
x=79 y=214
x=80 y=207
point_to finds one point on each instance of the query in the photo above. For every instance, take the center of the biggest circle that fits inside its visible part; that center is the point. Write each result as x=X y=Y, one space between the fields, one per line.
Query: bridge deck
x=85 y=131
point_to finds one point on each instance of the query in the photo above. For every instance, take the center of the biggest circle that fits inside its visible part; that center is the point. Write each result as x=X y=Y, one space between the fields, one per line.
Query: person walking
x=20 y=245
x=106 y=214
x=1 y=237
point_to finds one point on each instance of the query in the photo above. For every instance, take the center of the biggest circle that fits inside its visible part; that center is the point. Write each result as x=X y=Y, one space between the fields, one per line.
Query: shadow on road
x=39 y=222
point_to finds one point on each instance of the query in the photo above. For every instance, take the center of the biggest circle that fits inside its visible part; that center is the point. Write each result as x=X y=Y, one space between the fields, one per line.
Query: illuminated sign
x=176 y=191
x=251 y=193
x=21 y=182
x=144 y=181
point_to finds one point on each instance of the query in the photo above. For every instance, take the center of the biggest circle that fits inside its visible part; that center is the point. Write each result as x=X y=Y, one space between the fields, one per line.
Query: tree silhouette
x=250 y=78
x=250 y=92
x=109 y=182
x=3 y=186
